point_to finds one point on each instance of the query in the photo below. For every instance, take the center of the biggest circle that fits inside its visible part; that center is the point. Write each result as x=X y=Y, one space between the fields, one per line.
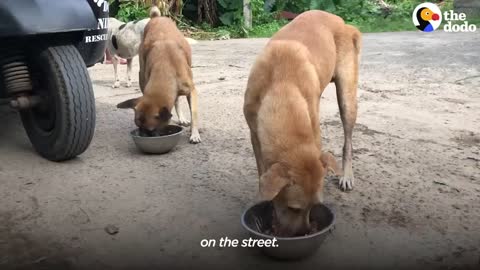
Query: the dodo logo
x=427 y=17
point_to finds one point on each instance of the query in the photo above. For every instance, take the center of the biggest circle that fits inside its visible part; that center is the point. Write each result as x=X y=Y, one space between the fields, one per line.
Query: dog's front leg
x=181 y=118
x=129 y=72
x=116 y=84
x=193 y=103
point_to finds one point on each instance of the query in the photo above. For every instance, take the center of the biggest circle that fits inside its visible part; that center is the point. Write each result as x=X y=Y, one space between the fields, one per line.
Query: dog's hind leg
x=257 y=152
x=181 y=118
x=316 y=123
x=129 y=72
x=250 y=112
x=346 y=80
x=193 y=103
x=116 y=84
x=141 y=72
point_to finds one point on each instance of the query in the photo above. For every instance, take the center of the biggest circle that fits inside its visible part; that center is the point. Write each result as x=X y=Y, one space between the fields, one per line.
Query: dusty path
x=417 y=157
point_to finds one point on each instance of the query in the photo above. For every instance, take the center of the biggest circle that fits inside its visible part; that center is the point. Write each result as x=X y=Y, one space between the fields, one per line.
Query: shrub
x=131 y=11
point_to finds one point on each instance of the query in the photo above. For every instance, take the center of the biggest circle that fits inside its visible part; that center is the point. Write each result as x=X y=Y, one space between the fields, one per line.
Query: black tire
x=63 y=126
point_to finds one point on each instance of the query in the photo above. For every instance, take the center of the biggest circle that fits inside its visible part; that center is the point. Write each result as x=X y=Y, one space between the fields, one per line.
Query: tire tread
x=76 y=93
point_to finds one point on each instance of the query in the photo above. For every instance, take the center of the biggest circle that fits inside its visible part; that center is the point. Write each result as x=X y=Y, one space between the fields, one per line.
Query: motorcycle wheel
x=62 y=127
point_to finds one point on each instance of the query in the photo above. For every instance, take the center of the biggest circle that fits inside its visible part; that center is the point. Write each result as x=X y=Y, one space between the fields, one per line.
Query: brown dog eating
x=282 y=111
x=165 y=74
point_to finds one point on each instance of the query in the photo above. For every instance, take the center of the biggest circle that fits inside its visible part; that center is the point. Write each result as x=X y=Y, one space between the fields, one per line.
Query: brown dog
x=165 y=74
x=282 y=111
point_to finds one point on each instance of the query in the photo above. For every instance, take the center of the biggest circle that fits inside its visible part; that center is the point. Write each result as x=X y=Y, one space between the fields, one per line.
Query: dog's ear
x=329 y=162
x=165 y=114
x=272 y=182
x=128 y=104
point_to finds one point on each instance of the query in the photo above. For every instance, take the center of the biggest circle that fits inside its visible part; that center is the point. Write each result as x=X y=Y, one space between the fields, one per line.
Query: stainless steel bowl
x=259 y=218
x=158 y=144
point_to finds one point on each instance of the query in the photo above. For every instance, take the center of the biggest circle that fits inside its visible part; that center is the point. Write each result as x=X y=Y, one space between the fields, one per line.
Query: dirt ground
x=416 y=160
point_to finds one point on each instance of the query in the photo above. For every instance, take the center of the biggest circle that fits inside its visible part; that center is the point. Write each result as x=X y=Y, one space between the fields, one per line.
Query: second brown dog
x=282 y=111
x=165 y=74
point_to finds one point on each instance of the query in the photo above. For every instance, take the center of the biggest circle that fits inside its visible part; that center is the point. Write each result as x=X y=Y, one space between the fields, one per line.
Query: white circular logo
x=427 y=17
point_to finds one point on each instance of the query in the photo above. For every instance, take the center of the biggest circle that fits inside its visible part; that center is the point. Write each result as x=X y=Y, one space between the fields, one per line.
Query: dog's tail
x=356 y=38
x=155 y=12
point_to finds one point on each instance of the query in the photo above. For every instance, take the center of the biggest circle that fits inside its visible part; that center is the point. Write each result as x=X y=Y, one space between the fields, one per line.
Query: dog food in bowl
x=158 y=141
x=314 y=227
x=168 y=130
x=258 y=220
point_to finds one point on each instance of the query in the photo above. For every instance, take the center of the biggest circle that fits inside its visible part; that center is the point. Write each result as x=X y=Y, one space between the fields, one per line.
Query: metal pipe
x=5 y=101
x=25 y=102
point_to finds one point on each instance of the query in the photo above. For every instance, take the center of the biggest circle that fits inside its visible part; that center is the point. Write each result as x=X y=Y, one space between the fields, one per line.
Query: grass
x=258 y=31
x=385 y=25
x=375 y=25
x=266 y=30
x=372 y=25
x=394 y=25
x=475 y=21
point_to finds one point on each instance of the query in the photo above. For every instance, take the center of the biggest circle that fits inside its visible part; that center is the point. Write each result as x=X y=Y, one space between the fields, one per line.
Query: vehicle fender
x=32 y=17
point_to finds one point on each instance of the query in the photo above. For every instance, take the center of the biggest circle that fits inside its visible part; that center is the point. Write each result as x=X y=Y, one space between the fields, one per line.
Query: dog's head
x=294 y=190
x=148 y=115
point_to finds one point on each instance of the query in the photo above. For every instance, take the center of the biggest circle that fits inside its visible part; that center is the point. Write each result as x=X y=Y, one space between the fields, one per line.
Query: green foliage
x=260 y=15
x=327 y=5
x=367 y=15
x=475 y=21
x=447 y=5
x=264 y=23
x=298 y=6
x=231 y=11
x=381 y=24
x=266 y=30
x=131 y=11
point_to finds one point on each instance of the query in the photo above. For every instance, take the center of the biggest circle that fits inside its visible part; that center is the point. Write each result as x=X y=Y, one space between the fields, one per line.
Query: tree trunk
x=247 y=14
x=207 y=11
x=176 y=7
x=166 y=7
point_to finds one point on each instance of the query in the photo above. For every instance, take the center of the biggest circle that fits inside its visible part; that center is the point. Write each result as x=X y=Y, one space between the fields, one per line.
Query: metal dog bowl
x=259 y=218
x=158 y=144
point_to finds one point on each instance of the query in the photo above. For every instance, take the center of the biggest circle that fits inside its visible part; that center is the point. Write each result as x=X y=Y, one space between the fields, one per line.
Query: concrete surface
x=415 y=204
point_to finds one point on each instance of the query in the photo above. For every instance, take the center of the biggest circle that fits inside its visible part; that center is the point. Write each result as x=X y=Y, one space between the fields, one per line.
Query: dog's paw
x=183 y=122
x=129 y=84
x=116 y=84
x=346 y=182
x=195 y=138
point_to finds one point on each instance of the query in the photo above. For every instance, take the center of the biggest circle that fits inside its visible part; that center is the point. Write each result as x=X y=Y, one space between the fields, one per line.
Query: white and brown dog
x=282 y=111
x=165 y=75
x=124 y=41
